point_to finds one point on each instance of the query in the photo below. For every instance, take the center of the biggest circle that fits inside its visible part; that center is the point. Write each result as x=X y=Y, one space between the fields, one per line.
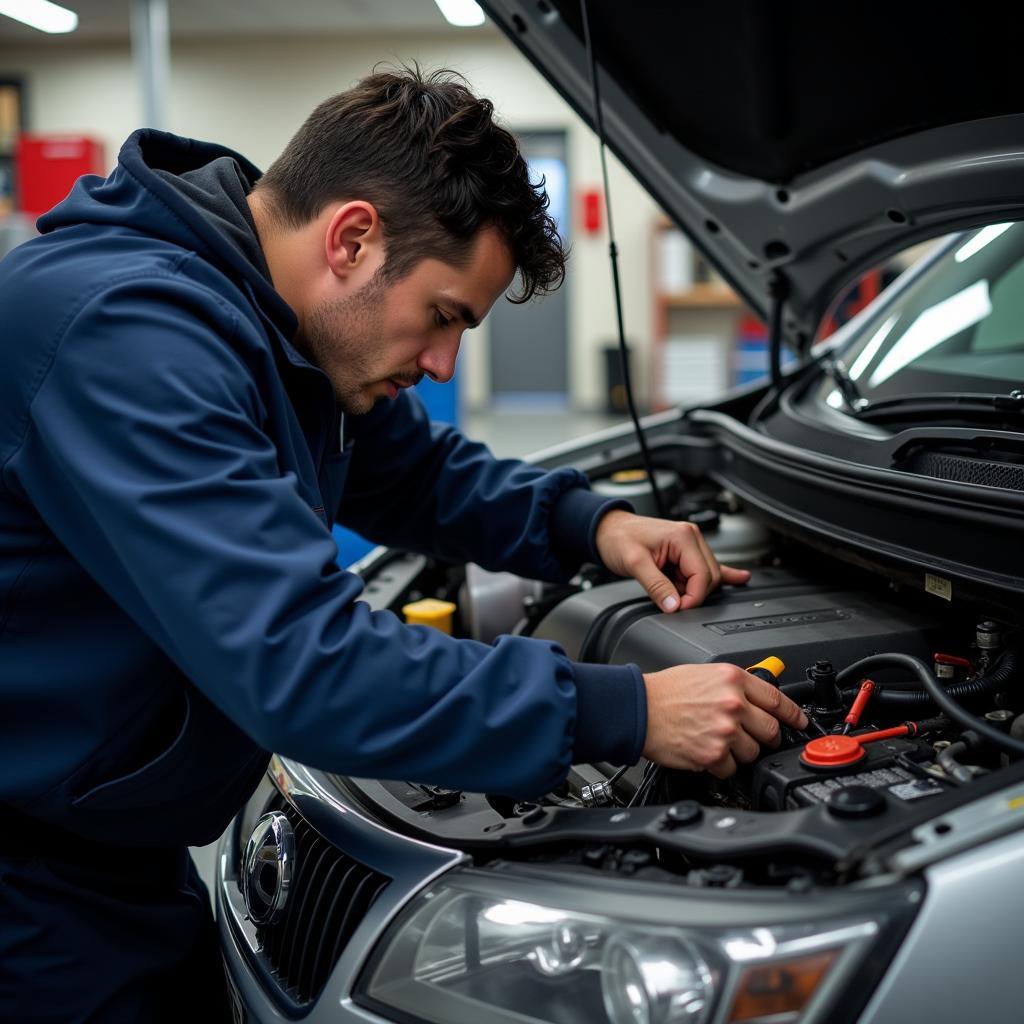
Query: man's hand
x=713 y=716
x=657 y=553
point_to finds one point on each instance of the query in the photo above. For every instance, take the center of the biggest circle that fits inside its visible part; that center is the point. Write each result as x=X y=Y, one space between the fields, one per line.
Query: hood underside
x=797 y=143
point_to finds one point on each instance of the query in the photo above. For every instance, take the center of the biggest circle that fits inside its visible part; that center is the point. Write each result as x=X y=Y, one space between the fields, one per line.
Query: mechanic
x=203 y=369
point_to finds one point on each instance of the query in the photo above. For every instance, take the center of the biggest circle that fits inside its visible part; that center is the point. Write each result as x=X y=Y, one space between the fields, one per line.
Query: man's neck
x=285 y=252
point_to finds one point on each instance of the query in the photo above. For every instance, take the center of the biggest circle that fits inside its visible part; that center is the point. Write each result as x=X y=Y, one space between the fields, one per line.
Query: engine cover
x=777 y=613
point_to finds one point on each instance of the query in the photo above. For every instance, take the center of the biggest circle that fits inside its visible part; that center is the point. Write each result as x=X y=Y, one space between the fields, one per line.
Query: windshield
x=958 y=328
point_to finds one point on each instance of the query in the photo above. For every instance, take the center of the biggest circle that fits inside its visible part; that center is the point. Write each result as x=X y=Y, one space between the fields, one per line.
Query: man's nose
x=438 y=361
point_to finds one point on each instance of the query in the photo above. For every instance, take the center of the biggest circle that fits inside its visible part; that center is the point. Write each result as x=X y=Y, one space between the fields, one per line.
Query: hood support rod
x=778 y=292
x=613 y=253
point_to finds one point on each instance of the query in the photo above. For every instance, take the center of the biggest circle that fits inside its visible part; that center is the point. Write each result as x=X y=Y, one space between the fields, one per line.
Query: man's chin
x=356 y=404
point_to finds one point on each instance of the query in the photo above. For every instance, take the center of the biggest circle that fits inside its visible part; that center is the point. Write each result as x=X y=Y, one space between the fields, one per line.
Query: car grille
x=330 y=895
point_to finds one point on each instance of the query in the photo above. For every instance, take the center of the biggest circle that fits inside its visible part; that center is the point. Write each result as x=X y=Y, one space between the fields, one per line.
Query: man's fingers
x=713 y=717
x=657 y=553
x=774 y=701
x=662 y=590
x=703 y=582
x=735 y=577
x=762 y=726
x=745 y=748
x=695 y=563
x=723 y=768
x=697 y=587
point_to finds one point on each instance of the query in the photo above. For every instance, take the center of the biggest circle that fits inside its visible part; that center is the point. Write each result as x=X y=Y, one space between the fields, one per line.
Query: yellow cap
x=771 y=664
x=430 y=612
x=629 y=476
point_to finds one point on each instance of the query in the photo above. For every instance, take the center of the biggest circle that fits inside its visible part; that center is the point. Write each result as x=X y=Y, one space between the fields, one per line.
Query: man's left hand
x=670 y=560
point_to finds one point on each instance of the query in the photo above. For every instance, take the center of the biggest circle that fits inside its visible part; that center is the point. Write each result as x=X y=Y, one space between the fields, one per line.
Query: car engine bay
x=849 y=644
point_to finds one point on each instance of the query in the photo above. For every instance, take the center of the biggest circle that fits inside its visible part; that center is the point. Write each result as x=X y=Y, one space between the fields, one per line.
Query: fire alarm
x=591 y=211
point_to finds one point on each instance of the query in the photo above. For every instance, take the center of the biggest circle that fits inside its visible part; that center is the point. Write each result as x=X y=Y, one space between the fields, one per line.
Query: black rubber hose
x=991 y=682
x=1005 y=669
x=859 y=669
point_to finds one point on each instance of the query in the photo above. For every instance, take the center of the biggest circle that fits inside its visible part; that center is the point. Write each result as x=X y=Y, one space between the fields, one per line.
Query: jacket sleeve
x=423 y=486
x=144 y=453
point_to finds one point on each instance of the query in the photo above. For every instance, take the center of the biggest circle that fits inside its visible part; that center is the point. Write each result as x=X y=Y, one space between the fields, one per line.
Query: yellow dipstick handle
x=430 y=612
x=769 y=669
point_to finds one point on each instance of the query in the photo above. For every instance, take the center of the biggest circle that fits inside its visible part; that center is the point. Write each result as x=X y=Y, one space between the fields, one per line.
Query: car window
x=959 y=327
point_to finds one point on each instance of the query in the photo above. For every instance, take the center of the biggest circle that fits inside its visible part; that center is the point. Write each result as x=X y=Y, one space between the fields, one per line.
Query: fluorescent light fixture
x=464 y=13
x=40 y=14
x=980 y=240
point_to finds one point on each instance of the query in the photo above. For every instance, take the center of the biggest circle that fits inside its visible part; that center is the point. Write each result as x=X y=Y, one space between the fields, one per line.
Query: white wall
x=252 y=94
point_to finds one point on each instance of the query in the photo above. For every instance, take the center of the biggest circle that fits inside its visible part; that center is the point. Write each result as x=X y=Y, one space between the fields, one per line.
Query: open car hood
x=799 y=143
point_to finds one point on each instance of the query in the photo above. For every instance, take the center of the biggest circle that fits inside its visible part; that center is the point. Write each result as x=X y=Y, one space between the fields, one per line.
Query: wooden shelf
x=703 y=296
x=694 y=325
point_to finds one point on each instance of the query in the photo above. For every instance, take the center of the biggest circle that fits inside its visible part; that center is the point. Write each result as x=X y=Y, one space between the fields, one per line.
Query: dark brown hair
x=429 y=156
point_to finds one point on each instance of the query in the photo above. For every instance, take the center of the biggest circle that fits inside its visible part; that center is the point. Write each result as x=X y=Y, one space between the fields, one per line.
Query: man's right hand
x=712 y=717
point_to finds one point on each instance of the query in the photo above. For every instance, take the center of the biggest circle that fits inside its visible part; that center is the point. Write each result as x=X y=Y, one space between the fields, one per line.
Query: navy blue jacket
x=170 y=606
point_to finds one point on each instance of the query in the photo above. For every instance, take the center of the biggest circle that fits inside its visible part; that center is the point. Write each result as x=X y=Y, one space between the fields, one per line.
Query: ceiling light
x=40 y=14
x=464 y=13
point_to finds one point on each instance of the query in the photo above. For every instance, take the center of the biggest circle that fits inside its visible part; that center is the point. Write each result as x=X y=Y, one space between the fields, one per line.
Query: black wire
x=650 y=777
x=613 y=252
x=633 y=800
x=652 y=782
x=945 y=703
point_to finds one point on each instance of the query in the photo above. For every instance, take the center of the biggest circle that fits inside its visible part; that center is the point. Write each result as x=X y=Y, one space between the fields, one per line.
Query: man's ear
x=353 y=240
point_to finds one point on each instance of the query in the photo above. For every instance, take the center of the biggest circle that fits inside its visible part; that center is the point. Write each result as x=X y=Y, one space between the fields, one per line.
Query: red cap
x=832 y=752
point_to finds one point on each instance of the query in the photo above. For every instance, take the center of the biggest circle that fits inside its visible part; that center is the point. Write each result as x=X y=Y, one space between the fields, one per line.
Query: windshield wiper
x=939 y=404
x=927 y=405
x=836 y=371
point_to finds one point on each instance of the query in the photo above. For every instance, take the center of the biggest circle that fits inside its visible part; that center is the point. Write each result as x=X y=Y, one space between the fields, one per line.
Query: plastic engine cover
x=776 y=613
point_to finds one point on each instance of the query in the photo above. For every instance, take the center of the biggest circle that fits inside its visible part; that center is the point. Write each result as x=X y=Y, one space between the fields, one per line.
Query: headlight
x=471 y=951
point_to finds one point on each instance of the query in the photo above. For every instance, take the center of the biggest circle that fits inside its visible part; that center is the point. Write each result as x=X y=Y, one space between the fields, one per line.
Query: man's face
x=386 y=336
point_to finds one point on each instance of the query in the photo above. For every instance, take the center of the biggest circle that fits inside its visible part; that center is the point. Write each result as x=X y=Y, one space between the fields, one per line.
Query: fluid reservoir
x=635 y=487
x=738 y=539
x=493 y=602
x=735 y=538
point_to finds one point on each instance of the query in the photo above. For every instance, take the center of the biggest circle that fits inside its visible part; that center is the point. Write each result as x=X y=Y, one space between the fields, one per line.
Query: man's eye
x=440 y=319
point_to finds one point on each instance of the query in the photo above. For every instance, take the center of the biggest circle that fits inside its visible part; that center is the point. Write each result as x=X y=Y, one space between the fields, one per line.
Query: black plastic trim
x=935 y=526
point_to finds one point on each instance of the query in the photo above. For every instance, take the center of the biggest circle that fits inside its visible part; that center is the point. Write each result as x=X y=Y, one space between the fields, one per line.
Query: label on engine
x=939 y=586
x=730 y=627
x=899 y=782
x=915 y=790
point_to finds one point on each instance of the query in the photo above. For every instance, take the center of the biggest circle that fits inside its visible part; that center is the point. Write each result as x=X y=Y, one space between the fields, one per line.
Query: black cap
x=856 y=802
x=686 y=812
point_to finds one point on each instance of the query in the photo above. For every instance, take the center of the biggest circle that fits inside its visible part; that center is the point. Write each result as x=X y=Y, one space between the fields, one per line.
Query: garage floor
x=524 y=431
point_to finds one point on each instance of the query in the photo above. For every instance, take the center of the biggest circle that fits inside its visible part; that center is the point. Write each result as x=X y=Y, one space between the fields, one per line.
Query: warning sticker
x=915 y=790
x=939 y=586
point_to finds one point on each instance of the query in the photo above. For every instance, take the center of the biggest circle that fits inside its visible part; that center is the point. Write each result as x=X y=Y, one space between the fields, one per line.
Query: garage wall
x=252 y=94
